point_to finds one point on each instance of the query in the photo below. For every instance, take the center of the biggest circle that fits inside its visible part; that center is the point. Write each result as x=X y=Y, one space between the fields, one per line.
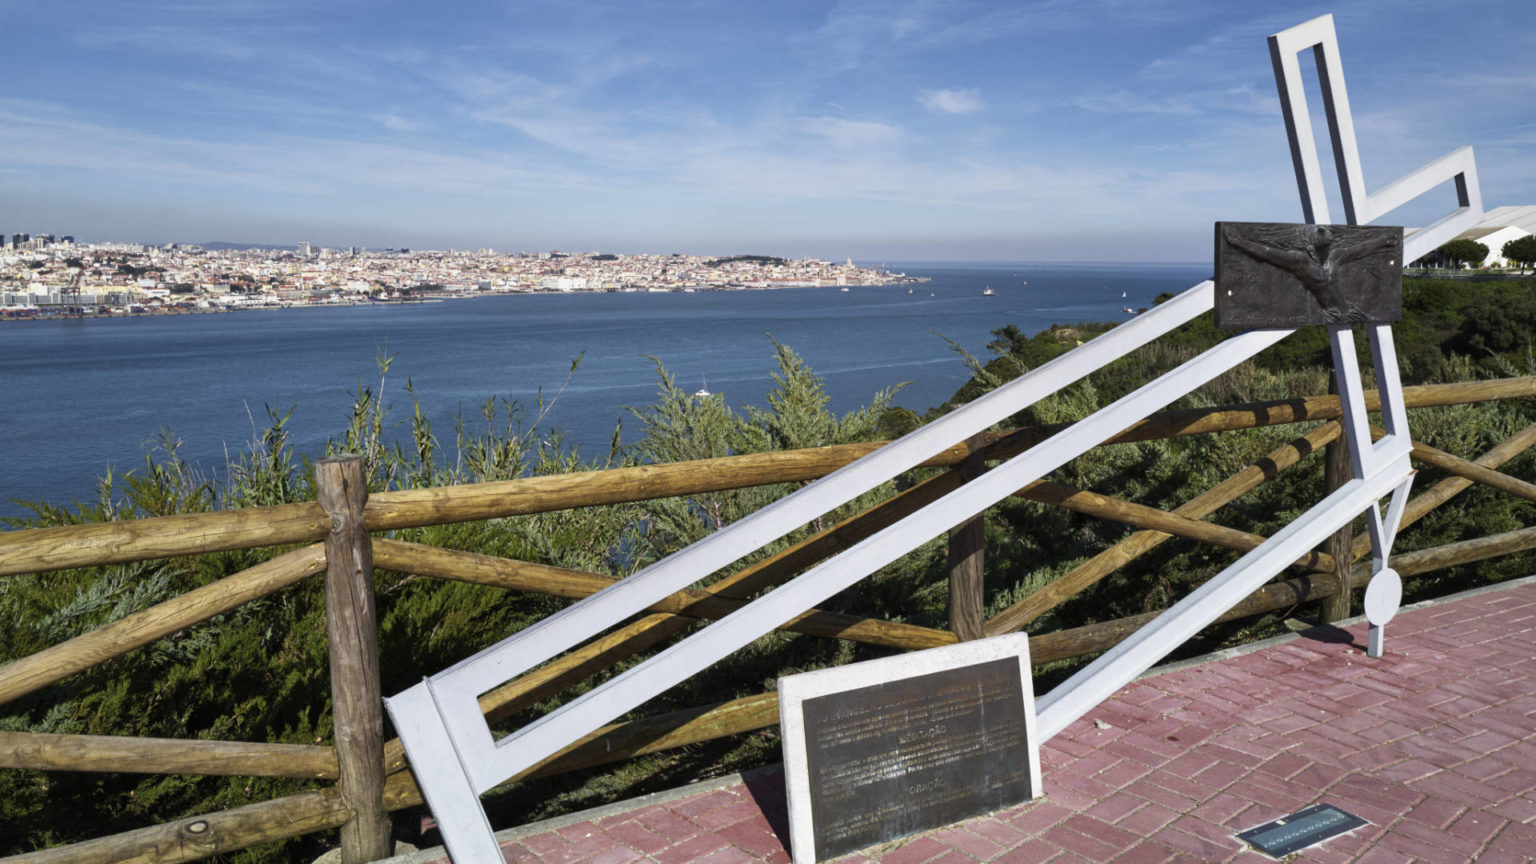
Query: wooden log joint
x=357 y=705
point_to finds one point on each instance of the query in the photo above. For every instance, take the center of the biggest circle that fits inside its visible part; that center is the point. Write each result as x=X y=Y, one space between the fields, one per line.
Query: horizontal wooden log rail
x=627 y=641
x=200 y=836
x=49 y=752
x=1173 y=524
x=203 y=836
x=1090 y=572
x=1455 y=554
x=681 y=728
x=1198 y=421
x=691 y=603
x=42 y=549
x=1423 y=503
x=50 y=665
x=294 y=815
x=1472 y=471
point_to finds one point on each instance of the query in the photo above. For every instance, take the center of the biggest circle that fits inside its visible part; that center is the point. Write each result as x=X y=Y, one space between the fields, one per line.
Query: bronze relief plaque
x=1277 y=274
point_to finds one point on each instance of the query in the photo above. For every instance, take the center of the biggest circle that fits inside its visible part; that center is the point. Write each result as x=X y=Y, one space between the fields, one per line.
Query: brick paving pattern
x=1434 y=745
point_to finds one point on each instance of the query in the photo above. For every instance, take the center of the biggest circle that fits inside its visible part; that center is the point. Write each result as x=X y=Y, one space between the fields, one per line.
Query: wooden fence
x=371 y=774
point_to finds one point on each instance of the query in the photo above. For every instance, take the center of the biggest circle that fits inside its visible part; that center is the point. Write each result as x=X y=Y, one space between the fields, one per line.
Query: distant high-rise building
x=18 y=239
x=306 y=250
x=67 y=238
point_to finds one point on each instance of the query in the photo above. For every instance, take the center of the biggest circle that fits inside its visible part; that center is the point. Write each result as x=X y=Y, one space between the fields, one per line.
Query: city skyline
x=899 y=130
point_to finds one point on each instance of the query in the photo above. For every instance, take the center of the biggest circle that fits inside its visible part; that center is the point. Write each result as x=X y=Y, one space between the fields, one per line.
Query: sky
x=904 y=130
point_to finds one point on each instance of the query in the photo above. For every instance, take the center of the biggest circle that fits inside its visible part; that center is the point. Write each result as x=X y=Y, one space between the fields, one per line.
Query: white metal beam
x=457 y=688
x=1119 y=666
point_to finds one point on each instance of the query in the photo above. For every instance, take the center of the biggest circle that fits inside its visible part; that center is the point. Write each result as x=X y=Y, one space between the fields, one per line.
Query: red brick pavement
x=1434 y=745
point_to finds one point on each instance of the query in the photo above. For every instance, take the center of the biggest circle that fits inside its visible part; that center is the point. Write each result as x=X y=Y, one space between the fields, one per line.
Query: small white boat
x=703 y=392
x=845 y=290
x=989 y=292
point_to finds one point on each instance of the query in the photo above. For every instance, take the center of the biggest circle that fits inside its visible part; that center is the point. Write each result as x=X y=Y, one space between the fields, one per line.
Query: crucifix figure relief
x=1285 y=275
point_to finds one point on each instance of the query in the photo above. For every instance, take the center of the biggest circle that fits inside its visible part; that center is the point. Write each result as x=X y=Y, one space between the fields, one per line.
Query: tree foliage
x=259 y=673
x=1458 y=252
x=767 y=260
x=1521 y=250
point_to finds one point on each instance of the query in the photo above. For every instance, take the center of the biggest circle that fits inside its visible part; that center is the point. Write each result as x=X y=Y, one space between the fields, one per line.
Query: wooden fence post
x=357 y=705
x=1337 y=470
x=967 y=545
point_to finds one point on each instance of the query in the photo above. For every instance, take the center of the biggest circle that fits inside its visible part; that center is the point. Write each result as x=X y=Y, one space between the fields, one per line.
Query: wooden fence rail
x=45 y=751
x=28 y=674
x=1089 y=573
x=42 y=549
x=373 y=775
x=200 y=836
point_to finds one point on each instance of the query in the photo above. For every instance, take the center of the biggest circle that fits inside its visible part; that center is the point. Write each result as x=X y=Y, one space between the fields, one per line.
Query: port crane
x=70 y=296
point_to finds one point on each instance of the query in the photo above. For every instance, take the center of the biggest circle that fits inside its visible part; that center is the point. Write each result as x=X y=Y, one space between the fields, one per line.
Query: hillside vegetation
x=260 y=673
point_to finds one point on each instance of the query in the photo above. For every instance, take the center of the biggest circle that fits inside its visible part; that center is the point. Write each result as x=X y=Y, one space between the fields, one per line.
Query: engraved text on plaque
x=914 y=753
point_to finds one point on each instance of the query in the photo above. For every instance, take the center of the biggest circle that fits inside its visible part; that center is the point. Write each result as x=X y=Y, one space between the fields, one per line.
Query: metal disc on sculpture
x=1382 y=596
x=1276 y=274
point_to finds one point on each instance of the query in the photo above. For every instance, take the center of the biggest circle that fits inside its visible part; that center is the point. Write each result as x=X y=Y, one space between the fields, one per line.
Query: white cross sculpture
x=456 y=759
x=1385 y=590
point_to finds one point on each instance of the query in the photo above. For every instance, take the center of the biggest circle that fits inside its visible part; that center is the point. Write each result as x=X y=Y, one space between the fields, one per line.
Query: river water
x=77 y=396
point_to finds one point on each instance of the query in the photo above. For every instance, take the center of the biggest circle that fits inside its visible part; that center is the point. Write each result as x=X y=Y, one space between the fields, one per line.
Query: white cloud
x=852 y=133
x=1125 y=102
x=396 y=122
x=950 y=101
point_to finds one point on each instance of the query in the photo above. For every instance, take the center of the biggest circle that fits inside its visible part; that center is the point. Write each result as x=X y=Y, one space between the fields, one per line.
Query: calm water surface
x=81 y=395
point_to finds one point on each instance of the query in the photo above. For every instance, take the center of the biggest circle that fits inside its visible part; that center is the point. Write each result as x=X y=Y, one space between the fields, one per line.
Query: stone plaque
x=906 y=744
x=1274 y=274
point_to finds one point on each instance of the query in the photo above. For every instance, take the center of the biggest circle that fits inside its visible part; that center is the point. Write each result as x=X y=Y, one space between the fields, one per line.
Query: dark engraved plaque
x=915 y=753
x=1275 y=274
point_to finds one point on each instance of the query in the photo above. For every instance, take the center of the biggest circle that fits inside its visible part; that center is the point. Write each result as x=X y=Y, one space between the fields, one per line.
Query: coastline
x=48 y=313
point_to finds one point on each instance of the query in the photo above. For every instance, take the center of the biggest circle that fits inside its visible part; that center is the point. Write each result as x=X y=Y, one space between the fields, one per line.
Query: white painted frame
x=446 y=738
x=445 y=735
x=794 y=690
x=1379 y=468
x=1360 y=208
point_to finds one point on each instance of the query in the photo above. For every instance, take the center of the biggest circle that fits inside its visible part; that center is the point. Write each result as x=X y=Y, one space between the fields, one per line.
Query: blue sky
x=1047 y=131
